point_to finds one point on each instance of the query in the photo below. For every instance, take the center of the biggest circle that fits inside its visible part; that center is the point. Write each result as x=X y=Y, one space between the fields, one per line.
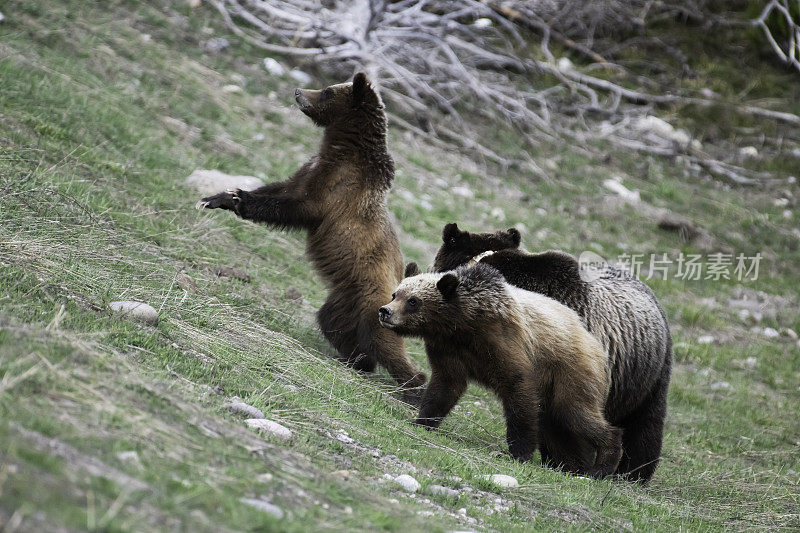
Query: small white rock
x=720 y=385
x=771 y=333
x=787 y=214
x=231 y=89
x=262 y=505
x=502 y=480
x=748 y=151
x=300 y=77
x=498 y=214
x=135 y=310
x=130 y=458
x=408 y=483
x=705 y=339
x=751 y=362
x=247 y=410
x=2 y=17
x=343 y=437
x=482 y=23
x=564 y=64
x=273 y=67
x=626 y=194
x=792 y=334
x=269 y=427
x=463 y=192
x=705 y=92
x=443 y=491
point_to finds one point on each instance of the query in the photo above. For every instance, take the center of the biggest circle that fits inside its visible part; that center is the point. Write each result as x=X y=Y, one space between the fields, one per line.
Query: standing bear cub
x=533 y=352
x=339 y=198
x=621 y=311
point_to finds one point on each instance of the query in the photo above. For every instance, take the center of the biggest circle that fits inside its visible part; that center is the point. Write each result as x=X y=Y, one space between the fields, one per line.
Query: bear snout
x=384 y=313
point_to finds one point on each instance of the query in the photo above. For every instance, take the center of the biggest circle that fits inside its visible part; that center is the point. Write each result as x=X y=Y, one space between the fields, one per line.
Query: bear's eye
x=413 y=303
x=452 y=240
x=326 y=94
x=393 y=295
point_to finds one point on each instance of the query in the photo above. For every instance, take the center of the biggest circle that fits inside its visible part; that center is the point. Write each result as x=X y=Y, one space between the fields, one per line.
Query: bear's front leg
x=224 y=200
x=444 y=390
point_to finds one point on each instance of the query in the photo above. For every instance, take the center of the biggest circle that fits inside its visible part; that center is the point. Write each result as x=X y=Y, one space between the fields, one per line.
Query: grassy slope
x=98 y=127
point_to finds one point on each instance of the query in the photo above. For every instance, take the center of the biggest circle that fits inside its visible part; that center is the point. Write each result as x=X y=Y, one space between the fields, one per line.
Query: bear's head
x=345 y=103
x=440 y=304
x=459 y=247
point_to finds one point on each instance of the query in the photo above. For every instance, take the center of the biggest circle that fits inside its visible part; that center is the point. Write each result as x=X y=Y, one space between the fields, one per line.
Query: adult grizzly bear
x=532 y=351
x=339 y=198
x=621 y=311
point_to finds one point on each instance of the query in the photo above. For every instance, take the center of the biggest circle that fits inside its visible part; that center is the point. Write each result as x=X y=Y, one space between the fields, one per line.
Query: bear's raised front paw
x=224 y=200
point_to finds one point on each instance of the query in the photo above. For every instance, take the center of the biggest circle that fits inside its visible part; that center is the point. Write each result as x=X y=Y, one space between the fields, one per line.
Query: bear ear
x=412 y=269
x=516 y=238
x=447 y=285
x=360 y=88
x=450 y=231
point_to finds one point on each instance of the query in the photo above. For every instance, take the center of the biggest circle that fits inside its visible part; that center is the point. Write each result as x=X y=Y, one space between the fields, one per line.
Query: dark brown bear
x=532 y=351
x=339 y=198
x=621 y=311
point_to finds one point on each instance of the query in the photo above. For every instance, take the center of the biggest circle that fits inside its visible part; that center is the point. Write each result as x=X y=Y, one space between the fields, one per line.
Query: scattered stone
x=292 y=293
x=228 y=271
x=342 y=474
x=626 y=194
x=2 y=17
x=670 y=221
x=135 y=310
x=130 y=458
x=748 y=152
x=482 y=23
x=273 y=67
x=751 y=363
x=541 y=211
x=502 y=481
x=408 y=483
x=463 y=192
x=705 y=339
x=771 y=333
x=241 y=408
x=269 y=427
x=780 y=202
x=342 y=436
x=209 y=182
x=259 y=137
x=462 y=511
x=564 y=64
x=265 y=506
x=348 y=509
x=498 y=214
x=705 y=92
x=300 y=77
x=787 y=214
x=186 y=282
x=720 y=385
x=443 y=491
x=216 y=45
x=792 y=334
x=231 y=89
x=194 y=3
x=663 y=129
x=264 y=478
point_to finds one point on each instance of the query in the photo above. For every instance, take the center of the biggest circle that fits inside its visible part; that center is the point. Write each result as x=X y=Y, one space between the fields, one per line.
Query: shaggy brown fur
x=339 y=197
x=533 y=352
x=621 y=311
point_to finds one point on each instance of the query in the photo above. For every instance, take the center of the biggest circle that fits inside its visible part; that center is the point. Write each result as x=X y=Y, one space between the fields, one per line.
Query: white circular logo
x=591 y=266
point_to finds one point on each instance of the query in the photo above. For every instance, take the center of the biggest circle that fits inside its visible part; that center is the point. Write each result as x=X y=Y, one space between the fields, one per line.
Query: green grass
x=98 y=128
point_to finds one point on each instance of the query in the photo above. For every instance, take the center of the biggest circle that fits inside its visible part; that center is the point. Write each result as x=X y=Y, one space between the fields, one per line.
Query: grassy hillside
x=105 y=108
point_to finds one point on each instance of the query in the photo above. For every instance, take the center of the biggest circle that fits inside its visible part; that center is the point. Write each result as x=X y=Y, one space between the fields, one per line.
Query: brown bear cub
x=533 y=352
x=621 y=311
x=339 y=198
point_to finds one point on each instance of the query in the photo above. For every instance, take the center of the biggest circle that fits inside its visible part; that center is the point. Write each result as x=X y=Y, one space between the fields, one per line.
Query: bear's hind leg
x=336 y=324
x=643 y=435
